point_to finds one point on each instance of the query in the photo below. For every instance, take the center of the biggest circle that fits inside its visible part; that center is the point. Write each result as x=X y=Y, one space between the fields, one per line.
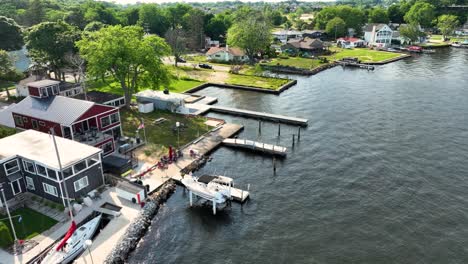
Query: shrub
x=5 y=237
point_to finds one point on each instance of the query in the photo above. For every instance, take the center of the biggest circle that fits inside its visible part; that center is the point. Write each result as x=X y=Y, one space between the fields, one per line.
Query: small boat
x=415 y=49
x=429 y=51
x=213 y=188
x=74 y=245
x=456 y=45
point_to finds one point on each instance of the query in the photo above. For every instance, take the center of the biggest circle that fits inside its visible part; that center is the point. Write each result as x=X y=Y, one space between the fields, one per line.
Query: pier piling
x=294 y=139
x=299 y=134
x=259 y=127
x=279 y=129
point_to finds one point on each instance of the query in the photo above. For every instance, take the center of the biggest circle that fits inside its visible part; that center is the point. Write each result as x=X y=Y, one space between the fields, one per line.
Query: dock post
x=274 y=164
x=299 y=134
x=242 y=195
x=279 y=129
x=294 y=139
x=214 y=207
x=191 y=199
x=259 y=127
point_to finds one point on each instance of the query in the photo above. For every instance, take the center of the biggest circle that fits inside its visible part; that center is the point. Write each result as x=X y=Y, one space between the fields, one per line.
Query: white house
x=349 y=43
x=226 y=54
x=65 y=88
x=285 y=35
x=379 y=35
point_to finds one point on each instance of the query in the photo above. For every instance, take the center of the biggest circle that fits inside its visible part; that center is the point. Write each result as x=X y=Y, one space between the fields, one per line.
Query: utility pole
x=9 y=216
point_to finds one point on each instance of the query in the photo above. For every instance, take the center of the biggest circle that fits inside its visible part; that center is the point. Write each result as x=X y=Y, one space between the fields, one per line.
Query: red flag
x=70 y=232
x=141 y=126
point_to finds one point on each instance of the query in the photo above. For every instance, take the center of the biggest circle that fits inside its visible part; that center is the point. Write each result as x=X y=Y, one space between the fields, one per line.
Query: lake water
x=380 y=175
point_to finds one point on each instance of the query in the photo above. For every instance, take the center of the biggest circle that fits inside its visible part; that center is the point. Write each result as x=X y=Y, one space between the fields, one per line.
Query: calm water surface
x=380 y=174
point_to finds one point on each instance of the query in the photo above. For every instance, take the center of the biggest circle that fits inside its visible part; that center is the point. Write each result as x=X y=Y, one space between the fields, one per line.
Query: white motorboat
x=213 y=188
x=74 y=245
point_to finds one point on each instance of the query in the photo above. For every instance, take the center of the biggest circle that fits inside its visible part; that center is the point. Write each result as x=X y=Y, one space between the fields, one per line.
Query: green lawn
x=6 y=131
x=257 y=81
x=162 y=134
x=297 y=62
x=6 y=84
x=363 y=54
x=33 y=223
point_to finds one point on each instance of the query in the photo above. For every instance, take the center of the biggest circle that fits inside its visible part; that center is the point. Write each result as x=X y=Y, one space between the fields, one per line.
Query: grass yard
x=364 y=54
x=257 y=81
x=297 y=62
x=163 y=134
x=33 y=223
x=6 y=84
x=6 y=131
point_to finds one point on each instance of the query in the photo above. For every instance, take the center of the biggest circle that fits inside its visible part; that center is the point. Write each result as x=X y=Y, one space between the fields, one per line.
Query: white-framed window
x=67 y=172
x=18 y=120
x=107 y=147
x=50 y=189
x=93 y=160
x=79 y=166
x=41 y=170
x=35 y=125
x=110 y=119
x=15 y=187
x=29 y=183
x=29 y=166
x=105 y=121
x=11 y=166
x=81 y=183
x=41 y=123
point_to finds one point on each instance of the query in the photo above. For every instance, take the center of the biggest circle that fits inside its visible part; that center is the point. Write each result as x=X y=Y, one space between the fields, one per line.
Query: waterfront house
x=378 y=35
x=83 y=121
x=47 y=87
x=284 y=35
x=28 y=163
x=349 y=42
x=226 y=54
x=306 y=45
x=103 y=98
x=313 y=34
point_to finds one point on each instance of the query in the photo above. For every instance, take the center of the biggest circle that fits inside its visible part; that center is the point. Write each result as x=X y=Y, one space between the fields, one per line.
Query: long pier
x=259 y=115
x=256 y=146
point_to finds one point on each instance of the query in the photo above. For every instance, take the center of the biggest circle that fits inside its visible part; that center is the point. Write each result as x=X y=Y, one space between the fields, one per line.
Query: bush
x=5 y=237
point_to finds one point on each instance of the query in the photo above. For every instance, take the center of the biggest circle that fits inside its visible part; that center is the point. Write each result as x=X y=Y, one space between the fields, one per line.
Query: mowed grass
x=298 y=62
x=6 y=84
x=363 y=54
x=257 y=81
x=33 y=223
x=163 y=134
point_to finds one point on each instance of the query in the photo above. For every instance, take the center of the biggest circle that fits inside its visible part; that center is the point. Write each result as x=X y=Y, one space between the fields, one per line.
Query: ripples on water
x=379 y=176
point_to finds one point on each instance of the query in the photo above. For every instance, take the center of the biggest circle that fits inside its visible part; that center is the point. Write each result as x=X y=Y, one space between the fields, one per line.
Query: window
x=34 y=124
x=122 y=101
x=114 y=118
x=18 y=120
x=79 y=166
x=52 y=174
x=67 y=172
x=25 y=119
x=29 y=183
x=41 y=170
x=81 y=183
x=11 y=166
x=29 y=166
x=106 y=148
x=41 y=123
x=93 y=160
x=50 y=189
x=105 y=121
x=15 y=187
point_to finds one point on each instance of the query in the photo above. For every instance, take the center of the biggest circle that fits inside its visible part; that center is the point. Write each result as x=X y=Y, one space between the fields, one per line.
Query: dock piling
x=299 y=134
x=259 y=127
x=294 y=139
x=274 y=165
x=279 y=129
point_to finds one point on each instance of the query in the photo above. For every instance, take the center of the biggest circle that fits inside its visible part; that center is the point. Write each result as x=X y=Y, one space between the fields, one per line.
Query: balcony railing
x=92 y=137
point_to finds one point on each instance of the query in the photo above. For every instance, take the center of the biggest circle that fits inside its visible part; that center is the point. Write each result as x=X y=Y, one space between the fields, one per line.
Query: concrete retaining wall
x=242 y=87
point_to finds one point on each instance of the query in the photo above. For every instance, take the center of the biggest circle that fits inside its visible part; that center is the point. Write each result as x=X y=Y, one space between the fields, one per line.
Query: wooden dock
x=259 y=115
x=256 y=146
x=239 y=195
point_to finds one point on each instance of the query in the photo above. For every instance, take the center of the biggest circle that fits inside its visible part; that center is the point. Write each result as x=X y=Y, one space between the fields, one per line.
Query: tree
x=94 y=26
x=353 y=17
x=421 y=13
x=130 y=57
x=252 y=35
x=35 y=13
x=378 y=15
x=394 y=14
x=7 y=71
x=175 y=13
x=336 y=27
x=153 y=19
x=176 y=38
x=48 y=42
x=194 y=21
x=411 y=32
x=217 y=26
x=447 y=24
x=10 y=34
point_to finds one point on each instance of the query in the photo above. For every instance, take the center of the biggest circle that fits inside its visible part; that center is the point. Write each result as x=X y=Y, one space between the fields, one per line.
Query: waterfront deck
x=255 y=146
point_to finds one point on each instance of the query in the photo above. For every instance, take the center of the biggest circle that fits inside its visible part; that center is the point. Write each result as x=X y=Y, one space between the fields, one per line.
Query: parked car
x=180 y=59
x=205 y=66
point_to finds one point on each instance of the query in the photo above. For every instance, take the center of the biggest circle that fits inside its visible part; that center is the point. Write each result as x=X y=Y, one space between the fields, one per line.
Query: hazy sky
x=188 y=1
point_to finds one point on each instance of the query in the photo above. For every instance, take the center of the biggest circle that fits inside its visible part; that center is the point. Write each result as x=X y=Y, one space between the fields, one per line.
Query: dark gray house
x=28 y=163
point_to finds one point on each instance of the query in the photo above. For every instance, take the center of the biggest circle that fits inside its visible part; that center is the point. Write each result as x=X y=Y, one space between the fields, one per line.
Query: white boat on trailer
x=75 y=244
x=216 y=189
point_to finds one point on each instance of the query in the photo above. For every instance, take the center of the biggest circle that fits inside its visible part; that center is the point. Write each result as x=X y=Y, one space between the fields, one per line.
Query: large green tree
x=48 y=42
x=411 y=32
x=129 y=56
x=7 y=71
x=447 y=24
x=336 y=27
x=218 y=25
x=10 y=34
x=354 y=17
x=378 y=15
x=153 y=19
x=421 y=13
x=395 y=15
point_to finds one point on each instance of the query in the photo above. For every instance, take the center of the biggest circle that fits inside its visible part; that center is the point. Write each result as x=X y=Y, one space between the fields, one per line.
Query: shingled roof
x=369 y=27
x=232 y=50
x=306 y=43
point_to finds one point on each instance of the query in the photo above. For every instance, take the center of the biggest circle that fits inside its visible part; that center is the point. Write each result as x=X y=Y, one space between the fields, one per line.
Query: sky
x=200 y=1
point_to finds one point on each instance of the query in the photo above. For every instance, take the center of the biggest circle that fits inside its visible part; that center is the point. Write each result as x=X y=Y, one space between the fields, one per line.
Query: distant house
x=28 y=163
x=285 y=35
x=308 y=45
x=83 y=121
x=103 y=98
x=31 y=86
x=313 y=33
x=226 y=54
x=462 y=30
x=349 y=43
x=379 y=35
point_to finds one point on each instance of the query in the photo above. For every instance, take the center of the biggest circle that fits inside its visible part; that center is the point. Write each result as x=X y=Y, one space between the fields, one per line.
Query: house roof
x=232 y=50
x=369 y=27
x=171 y=97
x=287 y=32
x=39 y=147
x=350 y=39
x=43 y=83
x=58 y=109
x=308 y=31
x=98 y=97
x=6 y=118
x=306 y=43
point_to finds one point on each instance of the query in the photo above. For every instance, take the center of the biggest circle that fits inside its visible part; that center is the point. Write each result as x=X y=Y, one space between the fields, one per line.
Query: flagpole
x=61 y=173
x=9 y=216
x=144 y=129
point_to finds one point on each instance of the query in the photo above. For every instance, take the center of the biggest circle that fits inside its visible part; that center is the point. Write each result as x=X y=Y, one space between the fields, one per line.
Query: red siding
x=33 y=91
x=45 y=128
x=96 y=110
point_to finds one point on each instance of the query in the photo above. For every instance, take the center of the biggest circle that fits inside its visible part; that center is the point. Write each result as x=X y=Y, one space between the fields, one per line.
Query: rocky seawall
x=139 y=226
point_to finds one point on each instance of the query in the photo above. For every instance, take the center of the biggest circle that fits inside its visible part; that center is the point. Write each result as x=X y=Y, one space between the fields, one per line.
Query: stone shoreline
x=139 y=226
x=243 y=87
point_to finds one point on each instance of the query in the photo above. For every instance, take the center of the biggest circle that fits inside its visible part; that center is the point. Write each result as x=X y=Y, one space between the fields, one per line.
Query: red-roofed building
x=349 y=42
x=226 y=54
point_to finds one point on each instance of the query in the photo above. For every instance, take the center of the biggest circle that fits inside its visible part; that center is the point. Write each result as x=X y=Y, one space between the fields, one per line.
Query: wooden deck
x=256 y=146
x=239 y=195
